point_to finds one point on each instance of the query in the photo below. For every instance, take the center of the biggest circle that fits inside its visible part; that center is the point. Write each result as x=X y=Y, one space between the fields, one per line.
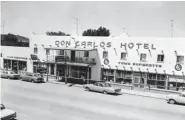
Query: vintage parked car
x=102 y=87
x=32 y=77
x=9 y=74
x=172 y=99
x=7 y=114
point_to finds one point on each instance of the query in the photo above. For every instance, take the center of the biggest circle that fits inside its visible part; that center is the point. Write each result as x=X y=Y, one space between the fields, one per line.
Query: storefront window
x=86 y=53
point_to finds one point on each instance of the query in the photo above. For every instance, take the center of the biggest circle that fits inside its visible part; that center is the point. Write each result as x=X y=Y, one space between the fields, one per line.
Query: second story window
x=180 y=59
x=105 y=54
x=86 y=53
x=35 y=50
x=142 y=57
x=160 y=58
x=47 y=51
x=123 y=55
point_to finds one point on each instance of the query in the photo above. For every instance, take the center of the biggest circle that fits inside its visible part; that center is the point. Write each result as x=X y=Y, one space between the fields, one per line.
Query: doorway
x=72 y=55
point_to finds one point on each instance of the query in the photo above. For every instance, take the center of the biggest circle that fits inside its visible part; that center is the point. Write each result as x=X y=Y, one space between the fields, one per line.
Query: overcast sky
x=150 y=19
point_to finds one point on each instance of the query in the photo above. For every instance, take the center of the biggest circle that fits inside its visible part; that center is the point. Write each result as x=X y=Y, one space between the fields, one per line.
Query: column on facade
x=115 y=75
x=55 y=69
x=166 y=82
x=49 y=65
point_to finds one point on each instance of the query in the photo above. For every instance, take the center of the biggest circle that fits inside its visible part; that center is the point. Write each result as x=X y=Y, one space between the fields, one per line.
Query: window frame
x=35 y=50
x=159 y=58
x=105 y=53
x=124 y=58
x=141 y=57
x=48 y=53
x=179 y=62
x=86 y=53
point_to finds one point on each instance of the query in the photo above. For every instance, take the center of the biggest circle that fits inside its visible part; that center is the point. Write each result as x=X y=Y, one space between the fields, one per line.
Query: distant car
x=10 y=74
x=102 y=87
x=7 y=114
x=32 y=77
x=172 y=99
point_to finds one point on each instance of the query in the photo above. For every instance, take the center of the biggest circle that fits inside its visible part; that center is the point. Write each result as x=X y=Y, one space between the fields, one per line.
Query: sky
x=138 y=19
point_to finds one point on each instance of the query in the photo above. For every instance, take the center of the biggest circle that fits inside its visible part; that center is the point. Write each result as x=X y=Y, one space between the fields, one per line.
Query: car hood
x=6 y=112
x=15 y=74
x=171 y=96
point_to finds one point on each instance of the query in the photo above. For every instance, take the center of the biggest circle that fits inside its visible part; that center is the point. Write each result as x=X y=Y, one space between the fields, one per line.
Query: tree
x=101 y=31
x=59 y=33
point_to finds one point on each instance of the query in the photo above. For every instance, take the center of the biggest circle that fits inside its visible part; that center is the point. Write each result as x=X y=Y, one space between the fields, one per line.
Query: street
x=46 y=101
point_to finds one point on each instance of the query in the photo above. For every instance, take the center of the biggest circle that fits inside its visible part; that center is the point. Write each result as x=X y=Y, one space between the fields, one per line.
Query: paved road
x=48 y=101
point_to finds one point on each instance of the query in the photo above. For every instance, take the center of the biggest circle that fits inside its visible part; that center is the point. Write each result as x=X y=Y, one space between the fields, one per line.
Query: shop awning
x=176 y=80
x=34 y=57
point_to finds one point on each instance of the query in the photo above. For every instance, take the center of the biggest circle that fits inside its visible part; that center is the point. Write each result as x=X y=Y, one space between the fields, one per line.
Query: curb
x=80 y=86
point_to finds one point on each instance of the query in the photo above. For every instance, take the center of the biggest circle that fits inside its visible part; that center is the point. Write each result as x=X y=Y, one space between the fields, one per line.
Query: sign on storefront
x=17 y=58
x=178 y=67
x=140 y=64
x=106 y=61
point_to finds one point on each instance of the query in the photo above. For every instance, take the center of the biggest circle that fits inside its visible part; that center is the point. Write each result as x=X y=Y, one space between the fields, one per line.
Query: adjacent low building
x=158 y=62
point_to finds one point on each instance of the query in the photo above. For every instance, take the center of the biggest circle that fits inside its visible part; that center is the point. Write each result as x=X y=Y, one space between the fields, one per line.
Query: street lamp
x=47 y=64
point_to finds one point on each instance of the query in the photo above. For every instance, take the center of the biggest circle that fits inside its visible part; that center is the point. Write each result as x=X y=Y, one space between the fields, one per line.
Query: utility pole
x=76 y=26
x=171 y=28
x=2 y=27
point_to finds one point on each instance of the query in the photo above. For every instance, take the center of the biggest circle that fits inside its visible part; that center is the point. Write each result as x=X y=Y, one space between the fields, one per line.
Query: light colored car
x=9 y=75
x=172 y=99
x=32 y=77
x=102 y=87
x=7 y=114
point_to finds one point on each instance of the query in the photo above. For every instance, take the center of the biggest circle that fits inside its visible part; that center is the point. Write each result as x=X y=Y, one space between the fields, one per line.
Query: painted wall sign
x=106 y=61
x=178 y=67
x=137 y=46
x=18 y=58
x=103 y=44
x=140 y=64
x=83 y=44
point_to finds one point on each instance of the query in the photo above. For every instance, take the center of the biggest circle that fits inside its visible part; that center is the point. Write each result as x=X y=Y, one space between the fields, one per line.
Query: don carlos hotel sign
x=103 y=44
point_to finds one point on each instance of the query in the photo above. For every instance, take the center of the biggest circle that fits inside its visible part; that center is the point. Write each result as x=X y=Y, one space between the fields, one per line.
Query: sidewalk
x=123 y=91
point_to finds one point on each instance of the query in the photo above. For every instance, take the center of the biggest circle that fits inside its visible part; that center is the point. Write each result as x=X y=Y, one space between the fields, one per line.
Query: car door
x=101 y=87
x=26 y=77
x=182 y=99
x=3 y=74
x=95 y=87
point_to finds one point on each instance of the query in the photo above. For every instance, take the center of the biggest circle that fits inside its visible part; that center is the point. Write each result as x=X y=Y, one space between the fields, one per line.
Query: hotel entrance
x=139 y=80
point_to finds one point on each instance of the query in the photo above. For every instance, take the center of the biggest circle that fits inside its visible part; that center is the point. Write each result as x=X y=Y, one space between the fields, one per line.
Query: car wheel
x=104 y=92
x=172 y=101
x=87 y=89
x=32 y=81
x=8 y=77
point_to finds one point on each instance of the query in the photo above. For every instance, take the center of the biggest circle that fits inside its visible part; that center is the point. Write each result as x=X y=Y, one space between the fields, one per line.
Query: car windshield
x=36 y=74
x=2 y=107
x=107 y=85
x=12 y=72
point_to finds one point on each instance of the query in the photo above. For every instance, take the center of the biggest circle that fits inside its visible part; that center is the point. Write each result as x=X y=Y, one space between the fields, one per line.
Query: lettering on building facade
x=104 y=44
x=15 y=57
x=140 y=64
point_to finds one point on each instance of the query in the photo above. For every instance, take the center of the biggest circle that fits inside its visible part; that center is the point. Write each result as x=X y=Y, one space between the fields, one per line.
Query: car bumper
x=10 y=117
